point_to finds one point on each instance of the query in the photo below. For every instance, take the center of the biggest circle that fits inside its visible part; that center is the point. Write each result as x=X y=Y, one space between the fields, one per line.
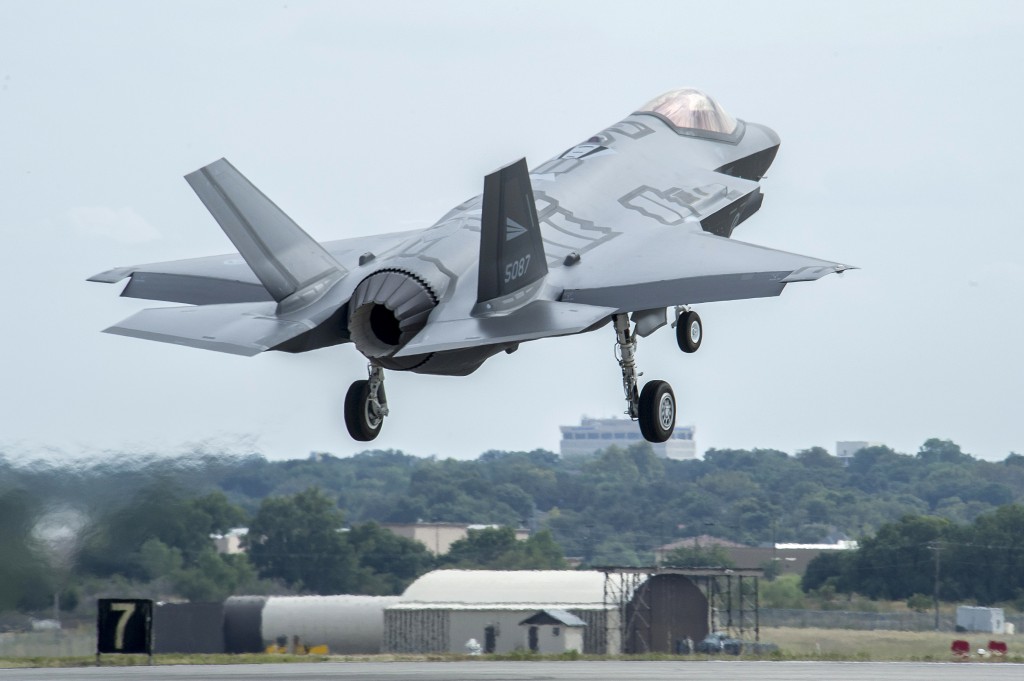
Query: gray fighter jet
x=628 y=227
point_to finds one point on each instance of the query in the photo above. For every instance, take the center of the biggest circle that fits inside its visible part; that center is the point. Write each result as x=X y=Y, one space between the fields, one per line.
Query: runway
x=538 y=671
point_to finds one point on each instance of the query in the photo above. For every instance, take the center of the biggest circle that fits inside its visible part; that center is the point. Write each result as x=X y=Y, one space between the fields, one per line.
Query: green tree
x=946 y=451
x=299 y=540
x=497 y=548
x=698 y=556
x=216 y=514
x=25 y=579
x=898 y=561
x=481 y=548
x=920 y=602
x=160 y=511
x=823 y=567
x=387 y=563
x=215 y=577
x=783 y=592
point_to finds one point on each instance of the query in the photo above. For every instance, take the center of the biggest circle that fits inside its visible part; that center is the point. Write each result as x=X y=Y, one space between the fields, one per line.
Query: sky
x=901 y=154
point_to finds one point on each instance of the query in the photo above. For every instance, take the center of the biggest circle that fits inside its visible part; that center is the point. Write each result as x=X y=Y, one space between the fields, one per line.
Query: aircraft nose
x=760 y=144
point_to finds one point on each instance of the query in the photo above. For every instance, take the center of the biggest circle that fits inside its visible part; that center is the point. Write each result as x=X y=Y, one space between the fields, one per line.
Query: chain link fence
x=845 y=619
x=57 y=643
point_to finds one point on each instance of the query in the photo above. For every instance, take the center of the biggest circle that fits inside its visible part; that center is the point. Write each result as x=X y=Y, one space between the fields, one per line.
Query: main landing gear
x=655 y=406
x=366 y=405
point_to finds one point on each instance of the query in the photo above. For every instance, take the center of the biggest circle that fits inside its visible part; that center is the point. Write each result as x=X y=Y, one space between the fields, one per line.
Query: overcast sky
x=901 y=153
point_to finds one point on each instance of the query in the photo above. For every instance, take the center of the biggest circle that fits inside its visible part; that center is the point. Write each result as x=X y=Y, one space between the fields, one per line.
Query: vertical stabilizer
x=511 y=247
x=285 y=259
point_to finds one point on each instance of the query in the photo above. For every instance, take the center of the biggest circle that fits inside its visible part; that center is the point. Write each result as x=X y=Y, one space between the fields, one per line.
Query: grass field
x=852 y=644
x=794 y=644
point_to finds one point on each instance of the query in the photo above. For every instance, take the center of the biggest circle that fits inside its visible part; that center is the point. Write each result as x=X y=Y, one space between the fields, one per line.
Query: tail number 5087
x=517 y=268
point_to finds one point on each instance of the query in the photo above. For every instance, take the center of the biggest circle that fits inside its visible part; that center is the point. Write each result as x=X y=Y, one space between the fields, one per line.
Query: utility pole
x=934 y=546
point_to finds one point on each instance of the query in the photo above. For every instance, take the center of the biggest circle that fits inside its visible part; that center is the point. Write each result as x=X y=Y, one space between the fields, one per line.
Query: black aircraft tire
x=689 y=332
x=657 y=411
x=357 y=417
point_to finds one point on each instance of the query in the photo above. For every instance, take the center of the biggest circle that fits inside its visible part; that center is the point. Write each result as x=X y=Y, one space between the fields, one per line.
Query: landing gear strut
x=655 y=406
x=366 y=405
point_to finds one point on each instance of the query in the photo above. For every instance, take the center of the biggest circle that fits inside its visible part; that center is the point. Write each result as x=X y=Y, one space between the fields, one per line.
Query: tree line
x=147 y=520
x=920 y=556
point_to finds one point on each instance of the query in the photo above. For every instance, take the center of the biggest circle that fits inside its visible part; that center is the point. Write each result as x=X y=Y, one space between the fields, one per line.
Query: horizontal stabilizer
x=227 y=278
x=284 y=258
x=538 y=319
x=239 y=329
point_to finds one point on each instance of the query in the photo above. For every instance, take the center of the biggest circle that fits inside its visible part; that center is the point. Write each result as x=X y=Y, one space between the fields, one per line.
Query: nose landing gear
x=689 y=330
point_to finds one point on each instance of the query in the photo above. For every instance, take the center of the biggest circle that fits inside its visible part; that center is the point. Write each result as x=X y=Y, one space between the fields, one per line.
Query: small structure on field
x=553 y=631
x=988 y=620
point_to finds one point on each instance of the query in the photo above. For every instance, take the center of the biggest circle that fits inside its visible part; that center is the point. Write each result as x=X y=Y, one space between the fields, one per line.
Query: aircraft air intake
x=386 y=310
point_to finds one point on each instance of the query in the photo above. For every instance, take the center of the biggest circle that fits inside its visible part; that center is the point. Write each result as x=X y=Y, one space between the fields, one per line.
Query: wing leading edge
x=689 y=267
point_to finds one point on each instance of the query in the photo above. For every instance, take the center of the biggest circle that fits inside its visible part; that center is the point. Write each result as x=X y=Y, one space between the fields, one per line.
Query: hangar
x=630 y=610
x=444 y=609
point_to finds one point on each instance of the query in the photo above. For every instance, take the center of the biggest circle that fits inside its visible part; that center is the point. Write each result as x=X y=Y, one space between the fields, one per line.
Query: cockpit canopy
x=690 y=108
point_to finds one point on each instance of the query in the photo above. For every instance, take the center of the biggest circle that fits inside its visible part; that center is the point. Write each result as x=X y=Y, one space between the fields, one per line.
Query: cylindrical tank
x=346 y=624
x=242 y=624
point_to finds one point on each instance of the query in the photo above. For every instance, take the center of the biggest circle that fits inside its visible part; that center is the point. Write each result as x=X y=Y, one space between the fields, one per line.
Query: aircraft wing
x=227 y=278
x=684 y=267
x=646 y=265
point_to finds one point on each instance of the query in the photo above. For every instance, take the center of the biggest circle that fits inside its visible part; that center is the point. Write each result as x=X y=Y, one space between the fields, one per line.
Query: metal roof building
x=444 y=609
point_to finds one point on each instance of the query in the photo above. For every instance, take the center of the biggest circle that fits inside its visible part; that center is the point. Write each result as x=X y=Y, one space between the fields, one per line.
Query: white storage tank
x=346 y=624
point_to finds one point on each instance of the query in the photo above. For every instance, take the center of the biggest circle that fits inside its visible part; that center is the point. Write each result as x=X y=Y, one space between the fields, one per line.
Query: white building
x=988 y=620
x=439 y=537
x=847 y=448
x=442 y=610
x=231 y=541
x=553 y=631
x=593 y=435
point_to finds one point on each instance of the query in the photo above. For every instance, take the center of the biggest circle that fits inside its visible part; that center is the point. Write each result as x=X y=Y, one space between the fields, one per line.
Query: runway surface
x=538 y=671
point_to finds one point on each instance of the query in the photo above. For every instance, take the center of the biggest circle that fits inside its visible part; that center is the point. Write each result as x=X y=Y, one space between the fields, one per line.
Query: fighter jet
x=630 y=227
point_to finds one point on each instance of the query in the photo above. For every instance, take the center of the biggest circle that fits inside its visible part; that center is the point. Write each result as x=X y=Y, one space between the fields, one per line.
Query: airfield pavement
x=538 y=671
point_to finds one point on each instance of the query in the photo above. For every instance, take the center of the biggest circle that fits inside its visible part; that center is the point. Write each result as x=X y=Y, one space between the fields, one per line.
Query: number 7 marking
x=126 y=610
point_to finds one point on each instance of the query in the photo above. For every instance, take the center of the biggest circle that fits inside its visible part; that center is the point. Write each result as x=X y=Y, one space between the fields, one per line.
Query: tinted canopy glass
x=689 y=108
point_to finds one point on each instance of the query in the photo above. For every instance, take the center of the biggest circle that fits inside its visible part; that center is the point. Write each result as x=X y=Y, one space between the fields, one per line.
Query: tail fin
x=285 y=259
x=511 y=247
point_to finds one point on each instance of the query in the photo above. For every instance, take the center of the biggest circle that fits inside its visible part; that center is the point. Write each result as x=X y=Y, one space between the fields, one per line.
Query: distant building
x=847 y=448
x=439 y=537
x=704 y=540
x=791 y=558
x=231 y=541
x=593 y=435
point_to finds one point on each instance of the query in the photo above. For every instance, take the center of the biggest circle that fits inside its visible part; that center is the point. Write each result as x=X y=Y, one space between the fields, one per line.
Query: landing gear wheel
x=657 y=411
x=689 y=331
x=362 y=418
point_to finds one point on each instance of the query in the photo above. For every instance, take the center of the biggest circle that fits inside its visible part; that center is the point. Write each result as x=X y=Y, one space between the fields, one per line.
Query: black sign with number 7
x=124 y=625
